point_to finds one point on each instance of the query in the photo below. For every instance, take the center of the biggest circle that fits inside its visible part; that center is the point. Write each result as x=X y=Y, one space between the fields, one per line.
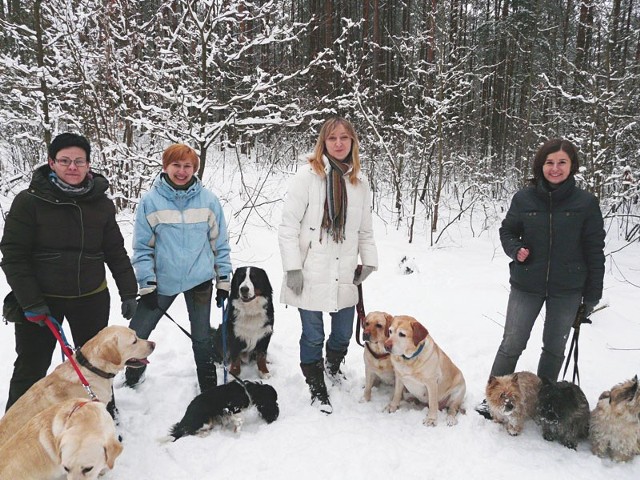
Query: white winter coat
x=327 y=266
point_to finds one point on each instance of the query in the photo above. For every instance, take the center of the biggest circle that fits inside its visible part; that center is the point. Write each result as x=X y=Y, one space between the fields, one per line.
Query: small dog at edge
x=219 y=403
x=615 y=422
x=512 y=399
x=563 y=413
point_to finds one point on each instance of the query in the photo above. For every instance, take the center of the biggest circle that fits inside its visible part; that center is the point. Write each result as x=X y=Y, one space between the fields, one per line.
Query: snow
x=458 y=291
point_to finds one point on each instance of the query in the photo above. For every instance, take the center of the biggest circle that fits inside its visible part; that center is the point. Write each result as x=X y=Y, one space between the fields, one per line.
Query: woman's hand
x=522 y=254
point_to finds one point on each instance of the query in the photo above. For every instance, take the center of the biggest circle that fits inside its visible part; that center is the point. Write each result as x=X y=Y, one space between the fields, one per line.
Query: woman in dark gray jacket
x=554 y=233
x=59 y=234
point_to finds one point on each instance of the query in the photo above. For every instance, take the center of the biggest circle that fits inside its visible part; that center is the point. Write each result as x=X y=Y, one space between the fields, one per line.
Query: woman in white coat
x=326 y=224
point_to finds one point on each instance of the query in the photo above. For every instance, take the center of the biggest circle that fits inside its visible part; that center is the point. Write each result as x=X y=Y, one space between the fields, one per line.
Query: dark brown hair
x=552 y=146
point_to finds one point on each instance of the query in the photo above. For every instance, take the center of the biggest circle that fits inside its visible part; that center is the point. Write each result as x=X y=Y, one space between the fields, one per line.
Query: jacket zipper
x=550 y=244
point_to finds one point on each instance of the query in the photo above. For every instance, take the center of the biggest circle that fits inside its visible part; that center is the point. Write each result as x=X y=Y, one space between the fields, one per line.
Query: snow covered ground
x=458 y=291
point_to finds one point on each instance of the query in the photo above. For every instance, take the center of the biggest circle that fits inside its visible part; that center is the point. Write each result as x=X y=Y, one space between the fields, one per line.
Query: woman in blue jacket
x=554 y=234
x=180 y=245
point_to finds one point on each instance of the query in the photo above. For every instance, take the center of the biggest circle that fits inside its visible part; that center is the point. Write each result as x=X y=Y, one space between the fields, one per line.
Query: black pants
x=35 y=344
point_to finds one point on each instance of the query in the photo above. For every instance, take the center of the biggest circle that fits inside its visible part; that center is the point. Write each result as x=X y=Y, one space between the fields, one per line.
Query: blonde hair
x=328 y=127
x=180 y=152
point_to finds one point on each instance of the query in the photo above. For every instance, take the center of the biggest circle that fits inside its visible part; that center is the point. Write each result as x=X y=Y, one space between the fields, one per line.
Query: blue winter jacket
x=180 y=239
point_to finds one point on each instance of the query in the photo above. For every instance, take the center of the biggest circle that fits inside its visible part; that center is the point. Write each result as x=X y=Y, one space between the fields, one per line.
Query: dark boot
x=332 y=366
x=132 y=376
x=207 y=377
x=314 y=376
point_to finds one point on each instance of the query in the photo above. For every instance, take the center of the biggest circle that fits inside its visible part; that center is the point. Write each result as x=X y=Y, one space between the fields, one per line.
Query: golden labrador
x=424 y=369
x=377 y=361
x=76 y=438
x=107 y=353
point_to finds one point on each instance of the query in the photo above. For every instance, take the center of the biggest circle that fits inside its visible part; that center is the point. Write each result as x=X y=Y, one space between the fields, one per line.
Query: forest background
x=450 y=98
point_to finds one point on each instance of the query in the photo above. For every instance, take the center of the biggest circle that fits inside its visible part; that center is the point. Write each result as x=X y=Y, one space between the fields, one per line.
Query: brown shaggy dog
x=615 y=422
x=512 y=399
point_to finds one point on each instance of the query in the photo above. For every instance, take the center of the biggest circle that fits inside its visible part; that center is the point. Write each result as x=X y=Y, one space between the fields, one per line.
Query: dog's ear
x=112 y=449
x=111 y=352
x=419 y=332
x=492 y=380
x=515 y=378
x=388 y=319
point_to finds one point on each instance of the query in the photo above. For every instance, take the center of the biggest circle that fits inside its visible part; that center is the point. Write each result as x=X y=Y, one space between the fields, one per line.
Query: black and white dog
x=249 y=320
x=220 y=404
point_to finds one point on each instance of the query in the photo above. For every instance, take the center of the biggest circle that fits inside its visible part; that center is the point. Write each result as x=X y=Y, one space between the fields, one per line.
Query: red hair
x=180 y=152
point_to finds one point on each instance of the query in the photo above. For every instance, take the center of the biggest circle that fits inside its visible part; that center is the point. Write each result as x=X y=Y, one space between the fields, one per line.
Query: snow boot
x=133 y=376
x=314 y=376
x=207 y=377
x=332 y=366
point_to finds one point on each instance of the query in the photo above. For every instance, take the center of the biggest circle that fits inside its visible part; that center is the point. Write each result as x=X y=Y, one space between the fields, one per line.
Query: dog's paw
x=390 y=408
x=365 y=398
x=430 y=422
x=452 y=420
x=264 y=375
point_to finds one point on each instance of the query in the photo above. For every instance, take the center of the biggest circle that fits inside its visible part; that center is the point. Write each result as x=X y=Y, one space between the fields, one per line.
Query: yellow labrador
x=377 y=361
x=76 y=438
x=107 y=353
x=425 y=370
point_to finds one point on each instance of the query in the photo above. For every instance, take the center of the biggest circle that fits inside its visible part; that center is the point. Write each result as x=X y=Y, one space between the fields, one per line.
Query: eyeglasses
x=78 y=162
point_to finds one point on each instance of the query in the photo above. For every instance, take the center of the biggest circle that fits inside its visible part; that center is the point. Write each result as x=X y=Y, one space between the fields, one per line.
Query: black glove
x=129 y=306
x=150 y=300
x=221 y=296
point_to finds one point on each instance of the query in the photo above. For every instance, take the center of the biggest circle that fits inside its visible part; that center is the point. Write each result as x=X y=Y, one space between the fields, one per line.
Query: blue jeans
x=198 y=302
x=312 y=338
x=522 y=310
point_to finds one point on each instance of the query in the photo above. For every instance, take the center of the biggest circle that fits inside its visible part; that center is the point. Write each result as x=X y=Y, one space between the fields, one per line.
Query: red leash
x=56 y=329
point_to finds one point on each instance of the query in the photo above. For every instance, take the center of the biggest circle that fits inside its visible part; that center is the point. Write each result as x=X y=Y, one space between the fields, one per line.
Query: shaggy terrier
x=512 y=399
x=615 y=422
x=563 y=413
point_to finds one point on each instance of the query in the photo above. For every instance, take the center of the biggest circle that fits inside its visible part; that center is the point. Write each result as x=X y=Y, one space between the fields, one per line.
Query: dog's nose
x=366 y=336
x=244 y=290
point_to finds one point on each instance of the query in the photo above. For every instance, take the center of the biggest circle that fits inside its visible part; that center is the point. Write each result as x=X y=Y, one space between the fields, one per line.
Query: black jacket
x=564 y=232
x=57 y=245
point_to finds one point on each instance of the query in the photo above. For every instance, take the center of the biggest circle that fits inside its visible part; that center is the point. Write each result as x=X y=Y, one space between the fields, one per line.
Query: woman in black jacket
x=57 y=237
x=554 y=233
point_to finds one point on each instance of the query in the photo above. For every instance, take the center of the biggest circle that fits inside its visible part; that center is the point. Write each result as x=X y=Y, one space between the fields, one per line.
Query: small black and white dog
x=249 y=320
x=563 y=412
x=219 y=404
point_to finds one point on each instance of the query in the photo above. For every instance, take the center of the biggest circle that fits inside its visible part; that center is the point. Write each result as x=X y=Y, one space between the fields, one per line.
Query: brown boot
x=314 y=376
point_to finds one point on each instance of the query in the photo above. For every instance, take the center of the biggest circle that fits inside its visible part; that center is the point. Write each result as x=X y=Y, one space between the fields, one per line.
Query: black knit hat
x=65 y=140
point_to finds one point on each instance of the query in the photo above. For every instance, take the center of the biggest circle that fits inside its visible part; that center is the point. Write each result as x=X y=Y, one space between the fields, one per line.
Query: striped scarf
x=335 y=205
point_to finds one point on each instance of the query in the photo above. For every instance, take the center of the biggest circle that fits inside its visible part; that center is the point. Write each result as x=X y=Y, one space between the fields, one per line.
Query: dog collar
x=82 y=360
x=377 y=356
x=415 y=354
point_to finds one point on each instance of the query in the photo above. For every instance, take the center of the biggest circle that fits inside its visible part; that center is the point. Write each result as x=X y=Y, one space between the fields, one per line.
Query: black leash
x=359 y=309
x=580 y=319
x=166 y=314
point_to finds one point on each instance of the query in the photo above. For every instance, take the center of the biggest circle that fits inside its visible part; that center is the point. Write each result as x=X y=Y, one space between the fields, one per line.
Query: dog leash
x=224 y=342
x=580 y=319
x=359 y=309
x=58 y=333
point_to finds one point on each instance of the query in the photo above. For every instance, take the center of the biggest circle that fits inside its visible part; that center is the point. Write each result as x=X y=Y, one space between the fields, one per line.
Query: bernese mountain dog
x=249 y=320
